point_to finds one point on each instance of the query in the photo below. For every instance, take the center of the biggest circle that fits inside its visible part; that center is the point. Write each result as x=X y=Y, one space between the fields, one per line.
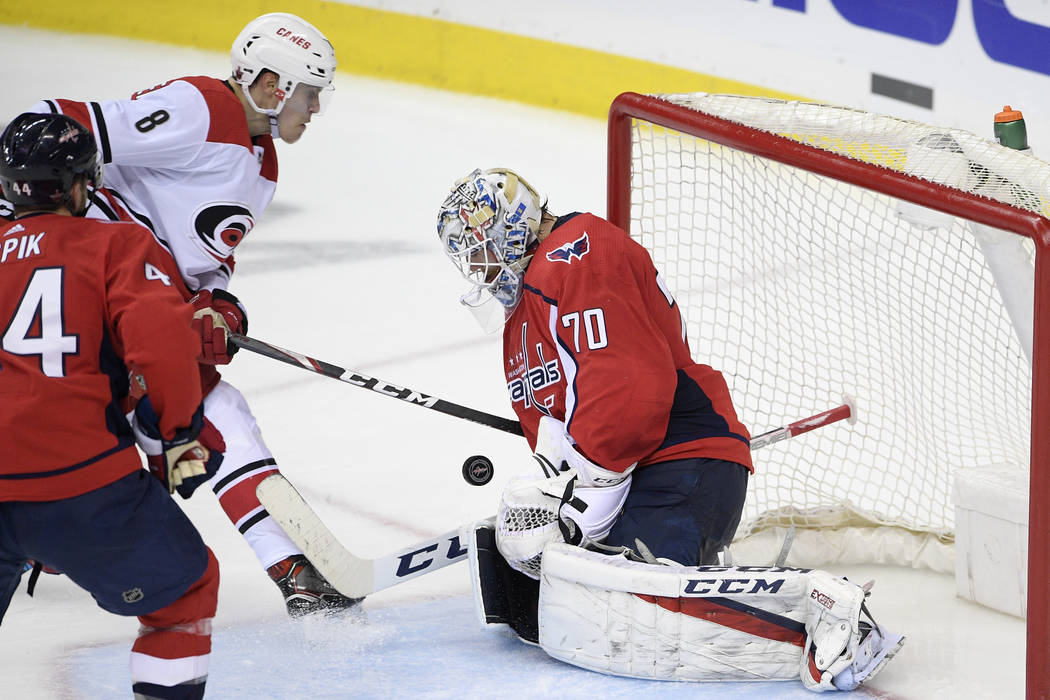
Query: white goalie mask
x=295 y=50
x=488 y=227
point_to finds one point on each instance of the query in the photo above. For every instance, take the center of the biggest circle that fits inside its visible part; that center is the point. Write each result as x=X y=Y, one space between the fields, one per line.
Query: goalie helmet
x=41 y=155
x=488 y=226
x=290 y=47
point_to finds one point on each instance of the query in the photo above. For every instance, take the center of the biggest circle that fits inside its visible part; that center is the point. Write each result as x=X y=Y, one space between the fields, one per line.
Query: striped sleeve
x=165 y=128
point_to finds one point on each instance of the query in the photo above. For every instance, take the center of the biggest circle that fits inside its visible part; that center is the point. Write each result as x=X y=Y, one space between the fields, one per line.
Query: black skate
x=305 y=590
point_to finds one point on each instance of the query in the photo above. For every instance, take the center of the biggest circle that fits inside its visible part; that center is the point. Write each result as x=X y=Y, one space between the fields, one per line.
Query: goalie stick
x=377 y=385
x=357 y=577
x=847 y=411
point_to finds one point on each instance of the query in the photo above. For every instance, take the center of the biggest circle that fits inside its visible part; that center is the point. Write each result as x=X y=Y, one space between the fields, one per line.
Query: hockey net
x=817 y=252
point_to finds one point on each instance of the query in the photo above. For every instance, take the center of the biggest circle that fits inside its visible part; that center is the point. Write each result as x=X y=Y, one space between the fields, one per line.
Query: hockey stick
x=351 y=575
x=357 y=577
x=847 y=411
x=377 y=385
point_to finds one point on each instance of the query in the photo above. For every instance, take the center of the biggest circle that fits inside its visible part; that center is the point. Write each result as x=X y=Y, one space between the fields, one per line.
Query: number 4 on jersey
x=37 y=327
x=152 y=273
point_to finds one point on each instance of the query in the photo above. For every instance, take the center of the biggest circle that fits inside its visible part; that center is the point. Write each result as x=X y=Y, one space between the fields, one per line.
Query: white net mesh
x=802 y=289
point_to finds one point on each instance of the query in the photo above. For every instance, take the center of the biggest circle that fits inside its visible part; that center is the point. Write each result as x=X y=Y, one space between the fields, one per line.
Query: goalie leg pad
x=502 y=596
x=842 y=650
x=621 y=617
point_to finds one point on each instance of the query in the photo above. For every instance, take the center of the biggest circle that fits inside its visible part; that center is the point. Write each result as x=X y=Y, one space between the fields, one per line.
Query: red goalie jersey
x=79 y=298
x=597 y=342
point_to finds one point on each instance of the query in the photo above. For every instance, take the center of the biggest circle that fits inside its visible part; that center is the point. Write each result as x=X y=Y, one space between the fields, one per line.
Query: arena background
x=952 y=62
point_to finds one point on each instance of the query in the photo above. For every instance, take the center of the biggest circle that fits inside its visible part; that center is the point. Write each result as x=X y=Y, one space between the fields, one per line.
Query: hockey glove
x=534 y=511
x=575 y=501
x=551 y=442
x=587 y=513
x=216 y=314
x=556 y=452
x=186 y=460
x=591 y=501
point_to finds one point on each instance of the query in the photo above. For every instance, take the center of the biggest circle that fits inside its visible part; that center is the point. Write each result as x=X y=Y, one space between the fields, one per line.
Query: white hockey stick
x=357 y=577
x=352 y=575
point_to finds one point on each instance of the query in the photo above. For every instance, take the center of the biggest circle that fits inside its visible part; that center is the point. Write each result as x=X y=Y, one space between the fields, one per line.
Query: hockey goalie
x=607 y=560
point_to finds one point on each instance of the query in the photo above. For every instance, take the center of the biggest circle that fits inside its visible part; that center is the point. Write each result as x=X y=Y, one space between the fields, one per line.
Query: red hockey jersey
x=107 y=205
x=597 y=341
x=80 y=300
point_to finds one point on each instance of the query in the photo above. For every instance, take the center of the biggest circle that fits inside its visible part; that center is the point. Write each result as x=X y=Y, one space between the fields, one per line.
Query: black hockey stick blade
x=373 y=384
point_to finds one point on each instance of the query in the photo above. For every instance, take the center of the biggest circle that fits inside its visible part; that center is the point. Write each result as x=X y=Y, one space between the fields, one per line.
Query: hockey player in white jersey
x=194 y=160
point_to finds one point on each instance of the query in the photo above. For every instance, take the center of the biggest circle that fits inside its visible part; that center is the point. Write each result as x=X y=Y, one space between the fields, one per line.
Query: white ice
x=344 y=266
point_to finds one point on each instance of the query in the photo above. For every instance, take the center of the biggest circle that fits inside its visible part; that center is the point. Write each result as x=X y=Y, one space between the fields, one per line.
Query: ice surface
x=344 y=266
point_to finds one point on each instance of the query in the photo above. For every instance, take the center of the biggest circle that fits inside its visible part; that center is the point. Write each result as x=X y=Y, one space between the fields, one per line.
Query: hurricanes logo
x=577 y=249
x=221 y=226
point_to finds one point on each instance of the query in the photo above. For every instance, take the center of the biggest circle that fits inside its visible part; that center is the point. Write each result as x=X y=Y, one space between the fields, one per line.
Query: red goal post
x=730 y=143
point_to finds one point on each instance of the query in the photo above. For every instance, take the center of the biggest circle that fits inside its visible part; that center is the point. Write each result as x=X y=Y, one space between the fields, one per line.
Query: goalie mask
x=488 y=227
x=295 y=50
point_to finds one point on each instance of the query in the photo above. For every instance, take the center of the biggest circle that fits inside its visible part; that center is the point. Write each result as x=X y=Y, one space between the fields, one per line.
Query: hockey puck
x=477 y=470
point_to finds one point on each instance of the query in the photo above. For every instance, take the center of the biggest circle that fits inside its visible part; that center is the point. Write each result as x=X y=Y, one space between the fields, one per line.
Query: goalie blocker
x=607 y=613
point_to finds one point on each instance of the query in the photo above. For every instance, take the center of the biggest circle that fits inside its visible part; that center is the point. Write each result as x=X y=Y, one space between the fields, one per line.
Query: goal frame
x=630 y=106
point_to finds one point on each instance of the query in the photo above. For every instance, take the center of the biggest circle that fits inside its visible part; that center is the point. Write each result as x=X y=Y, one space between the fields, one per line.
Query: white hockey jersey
x=183 y=162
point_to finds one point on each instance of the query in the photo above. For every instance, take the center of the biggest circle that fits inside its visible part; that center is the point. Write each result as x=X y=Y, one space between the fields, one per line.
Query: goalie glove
x=551 y=441
x=576 y=501
x=591 y=501
x=186 y=460
x=587 y=513
x=556 y=453
x=216 y=314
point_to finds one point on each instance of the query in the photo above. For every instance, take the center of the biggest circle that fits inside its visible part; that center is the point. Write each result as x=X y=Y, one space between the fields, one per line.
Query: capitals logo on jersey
x=577 y=249
x=526 y=379
x=220 y=226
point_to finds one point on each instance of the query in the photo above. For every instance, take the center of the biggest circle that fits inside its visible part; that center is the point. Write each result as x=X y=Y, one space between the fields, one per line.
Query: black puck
x=477 y=470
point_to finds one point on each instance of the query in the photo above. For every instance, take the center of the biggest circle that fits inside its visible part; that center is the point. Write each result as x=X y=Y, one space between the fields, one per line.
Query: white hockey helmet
x=488 y=226
x=290 y=47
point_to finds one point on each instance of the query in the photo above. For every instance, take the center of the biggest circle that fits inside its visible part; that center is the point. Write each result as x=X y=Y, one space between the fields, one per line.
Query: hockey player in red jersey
x=645 y=469
x=83 y=302
x=194 y=160
x=599 y=372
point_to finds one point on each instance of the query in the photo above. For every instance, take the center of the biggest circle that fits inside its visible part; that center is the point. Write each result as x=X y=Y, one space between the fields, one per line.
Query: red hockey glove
x=190 y=458
x=217 y=313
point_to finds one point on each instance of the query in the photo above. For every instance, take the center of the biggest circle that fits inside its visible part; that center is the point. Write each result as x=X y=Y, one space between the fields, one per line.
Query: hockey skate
x=305 y=590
